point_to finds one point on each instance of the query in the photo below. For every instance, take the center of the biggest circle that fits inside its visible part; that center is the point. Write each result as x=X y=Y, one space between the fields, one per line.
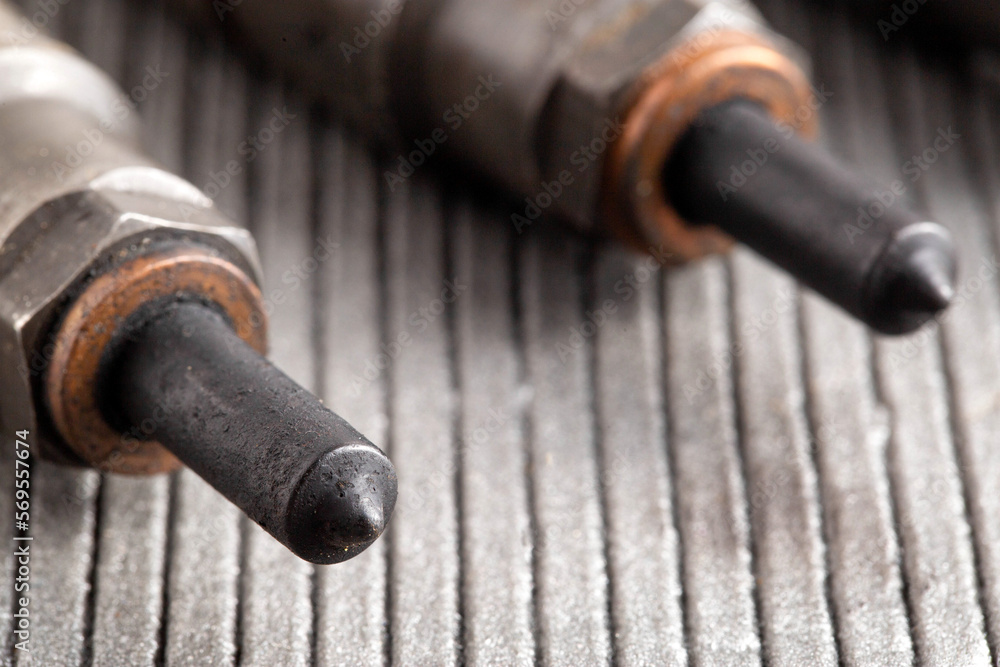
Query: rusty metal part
x=574 y=106
x=300 y=471
x=561 y=74
x=74 y=189
x=695 y=76
x=518 y=92
x=91 y=323
x=93 y=238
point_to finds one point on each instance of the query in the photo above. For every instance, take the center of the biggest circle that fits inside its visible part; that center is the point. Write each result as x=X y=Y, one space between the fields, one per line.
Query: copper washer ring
x=90 y=324
x=672 y=93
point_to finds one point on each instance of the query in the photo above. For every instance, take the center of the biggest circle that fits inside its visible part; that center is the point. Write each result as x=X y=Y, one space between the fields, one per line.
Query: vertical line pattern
x=586 y=277
x=515 y=262
x=382 y=244
x=495 y=524
x=457 y=421
x=972 y=328
x=590 y=618
x=738 y=418
x=987 y=187
x=937 y=540
x=816 y=442
x=662 y=307
x=87 y=654
x=319 y=349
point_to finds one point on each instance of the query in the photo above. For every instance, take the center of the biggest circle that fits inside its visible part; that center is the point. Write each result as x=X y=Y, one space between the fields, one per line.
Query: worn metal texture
x=313 y=482
x=599 y=461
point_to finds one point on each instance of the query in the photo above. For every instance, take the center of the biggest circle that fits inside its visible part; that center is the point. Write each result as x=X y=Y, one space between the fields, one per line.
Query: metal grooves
x=277 y=608
x=310 y=183
x=847 y=67
x=671 y=460
x=351 y=601
x=844 y=420
x=927 y=481
x=381 y=253
x=734 y=396
x=517 y=298
x=586 y=270
x=449 y=268
x=978 y=111
x=425 y=593
x=946 y=188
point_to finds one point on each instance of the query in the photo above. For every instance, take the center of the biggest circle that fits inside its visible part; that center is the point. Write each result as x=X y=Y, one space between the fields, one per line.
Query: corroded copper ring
x=696 y=75
x=90 y=325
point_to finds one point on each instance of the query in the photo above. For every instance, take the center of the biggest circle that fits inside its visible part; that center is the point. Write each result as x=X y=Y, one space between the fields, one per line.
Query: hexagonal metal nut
x=586 y=112
x=50 y=255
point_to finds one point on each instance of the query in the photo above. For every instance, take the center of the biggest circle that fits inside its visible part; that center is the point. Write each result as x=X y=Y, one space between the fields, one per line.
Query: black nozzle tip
x=342 y=504
x=737 y=169
x=914 y=279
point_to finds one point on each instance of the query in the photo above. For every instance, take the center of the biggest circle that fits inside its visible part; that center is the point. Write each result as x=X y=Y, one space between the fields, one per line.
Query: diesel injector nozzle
x=628 y=117
x=132 y=326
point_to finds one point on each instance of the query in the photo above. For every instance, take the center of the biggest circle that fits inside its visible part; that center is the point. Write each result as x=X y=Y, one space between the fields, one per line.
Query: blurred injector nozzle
x=620 y=116
x=132 y=327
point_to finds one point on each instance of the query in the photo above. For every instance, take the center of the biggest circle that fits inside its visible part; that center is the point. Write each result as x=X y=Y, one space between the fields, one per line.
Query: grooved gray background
x=599 y=461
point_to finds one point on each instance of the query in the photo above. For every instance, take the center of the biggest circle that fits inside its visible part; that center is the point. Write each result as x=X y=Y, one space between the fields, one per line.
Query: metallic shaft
x=860 y=247
x=94 y=237
x=578 y=107
x=264 y=442
x=531 y=95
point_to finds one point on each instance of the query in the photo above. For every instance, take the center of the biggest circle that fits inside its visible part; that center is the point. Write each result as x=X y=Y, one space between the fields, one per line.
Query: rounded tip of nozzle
x=342 y=504
x=924 y=286
x=914 y=280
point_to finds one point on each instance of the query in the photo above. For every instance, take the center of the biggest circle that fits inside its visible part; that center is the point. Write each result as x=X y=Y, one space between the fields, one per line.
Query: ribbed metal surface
x=599 y=461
